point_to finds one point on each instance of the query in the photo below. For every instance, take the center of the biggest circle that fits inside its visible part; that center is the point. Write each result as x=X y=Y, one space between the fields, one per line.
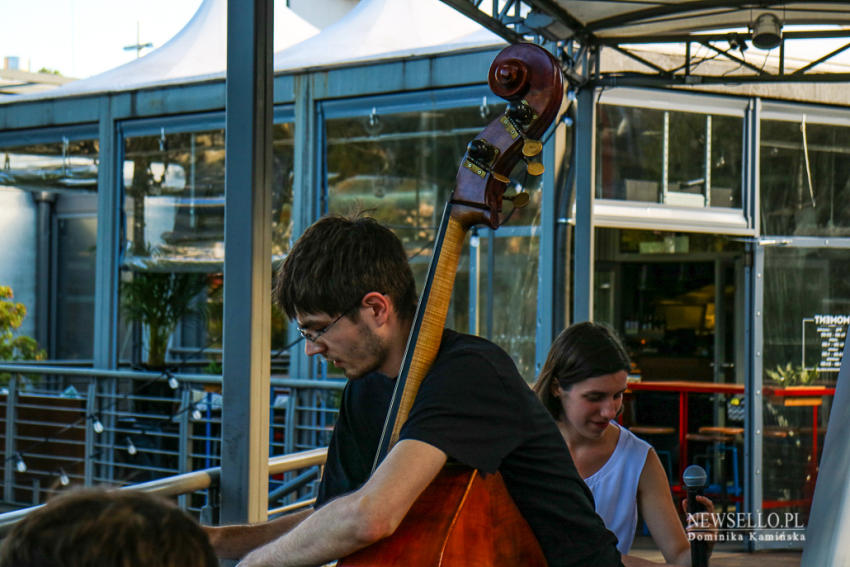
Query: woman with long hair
x=582 y=385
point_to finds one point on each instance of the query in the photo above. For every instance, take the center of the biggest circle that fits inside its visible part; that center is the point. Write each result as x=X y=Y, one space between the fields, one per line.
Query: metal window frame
x=153 y=126
x=591 y=213
x=795 y=112
x=18 y=138
x=661 y=99
x=46 y=289
x=615 y=213
x=754 y=439
x=758 y=111
x=395 y=103
x=193 y=122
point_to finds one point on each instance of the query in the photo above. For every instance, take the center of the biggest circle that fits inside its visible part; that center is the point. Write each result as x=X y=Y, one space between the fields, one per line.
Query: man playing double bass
x=348 y=285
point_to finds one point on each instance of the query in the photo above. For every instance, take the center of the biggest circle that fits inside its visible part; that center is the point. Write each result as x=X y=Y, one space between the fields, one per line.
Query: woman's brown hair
x=581 y=351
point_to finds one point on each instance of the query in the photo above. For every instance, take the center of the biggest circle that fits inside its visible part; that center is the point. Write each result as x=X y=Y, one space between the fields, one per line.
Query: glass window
x=676 y=158
x=505 y=305
x=76 y=238
x=725 y=166
x=675 y=301
x=630 y=145
x=659 y=291
x=805 y=179
x=63 y=165
x=174 y=209
x=18 y=214
x=47 y=196
x=283 y=159
x=806 y=309
x=401 y=167
x=174 y=187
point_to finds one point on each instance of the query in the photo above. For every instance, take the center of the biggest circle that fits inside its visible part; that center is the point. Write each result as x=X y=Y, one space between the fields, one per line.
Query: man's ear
x=380 y=307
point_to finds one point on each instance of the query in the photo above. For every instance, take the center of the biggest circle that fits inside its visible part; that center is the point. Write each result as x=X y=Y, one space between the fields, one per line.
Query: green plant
x=12 y=345
x=790 y=375
x=159 y=300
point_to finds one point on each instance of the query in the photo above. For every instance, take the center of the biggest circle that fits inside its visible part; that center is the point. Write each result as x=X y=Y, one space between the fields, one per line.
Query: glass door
x=806 y=310
x=677 y=300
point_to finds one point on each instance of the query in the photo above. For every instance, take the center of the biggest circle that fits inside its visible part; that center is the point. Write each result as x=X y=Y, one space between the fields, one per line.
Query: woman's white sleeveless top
x=614 y=487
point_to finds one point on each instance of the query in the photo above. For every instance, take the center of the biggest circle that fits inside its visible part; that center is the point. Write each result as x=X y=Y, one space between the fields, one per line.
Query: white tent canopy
x=377 y=29
x=374 y=29
x=198 y=50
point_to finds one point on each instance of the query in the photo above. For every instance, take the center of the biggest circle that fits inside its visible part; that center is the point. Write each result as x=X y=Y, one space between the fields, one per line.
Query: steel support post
x=247 y=263
x=585 y=167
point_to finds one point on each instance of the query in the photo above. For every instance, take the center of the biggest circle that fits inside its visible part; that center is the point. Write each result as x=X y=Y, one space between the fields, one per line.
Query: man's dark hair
x=95 y=527
x=340 y=259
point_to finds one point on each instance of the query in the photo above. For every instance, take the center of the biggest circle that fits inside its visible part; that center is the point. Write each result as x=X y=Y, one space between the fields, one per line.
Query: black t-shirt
x=475 y=407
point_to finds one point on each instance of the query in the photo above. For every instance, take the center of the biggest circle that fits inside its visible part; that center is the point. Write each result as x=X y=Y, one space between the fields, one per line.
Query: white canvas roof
x=378 y=29
x=198 y=50
x=374 y=29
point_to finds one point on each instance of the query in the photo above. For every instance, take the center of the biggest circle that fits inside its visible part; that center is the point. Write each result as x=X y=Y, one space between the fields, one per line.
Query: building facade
x=707 y=228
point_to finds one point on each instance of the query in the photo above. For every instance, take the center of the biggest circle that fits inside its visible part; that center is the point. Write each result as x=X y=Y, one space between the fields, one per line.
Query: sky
x=81 y=38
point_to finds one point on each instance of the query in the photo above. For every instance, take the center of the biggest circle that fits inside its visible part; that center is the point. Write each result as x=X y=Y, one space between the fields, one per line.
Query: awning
x=764 y=41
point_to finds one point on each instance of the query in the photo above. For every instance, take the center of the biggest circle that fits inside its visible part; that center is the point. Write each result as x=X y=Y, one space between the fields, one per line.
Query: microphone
x=694 y=478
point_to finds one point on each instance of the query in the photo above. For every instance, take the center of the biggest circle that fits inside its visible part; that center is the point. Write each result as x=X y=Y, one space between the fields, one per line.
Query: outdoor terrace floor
x=724 y=555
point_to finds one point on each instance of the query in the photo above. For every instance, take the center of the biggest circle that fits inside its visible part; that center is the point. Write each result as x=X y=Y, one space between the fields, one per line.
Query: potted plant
x=158 y=300
x=790 y=375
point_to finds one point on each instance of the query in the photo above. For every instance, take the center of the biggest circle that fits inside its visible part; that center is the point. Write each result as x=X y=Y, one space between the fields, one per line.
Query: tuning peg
x=519 y=200
x=534 y=168
x=482 y=170
x=520 y=113
x=531 y=148
x=480 y=157
x=482 y=151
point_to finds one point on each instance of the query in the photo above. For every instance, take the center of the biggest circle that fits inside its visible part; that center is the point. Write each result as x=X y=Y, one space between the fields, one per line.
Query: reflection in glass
x=676 y=158
x=283 y=166
x=726 y=161
x=505 y=305
x=805 y=179
x=75 y=288
x=801 y=288
x=174 y=186
x=49 y=216
x=630 y=149
x=400 y=168
x=659 y=292
x=687 y=141
x=675 y=300
x=54 y=166
x=174 y=205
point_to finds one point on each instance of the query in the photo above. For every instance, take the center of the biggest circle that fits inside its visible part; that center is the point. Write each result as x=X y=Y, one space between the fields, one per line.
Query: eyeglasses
x=313 y=337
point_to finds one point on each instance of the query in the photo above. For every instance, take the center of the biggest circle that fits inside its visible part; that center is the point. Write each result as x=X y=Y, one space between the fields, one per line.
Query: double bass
x=464 y=518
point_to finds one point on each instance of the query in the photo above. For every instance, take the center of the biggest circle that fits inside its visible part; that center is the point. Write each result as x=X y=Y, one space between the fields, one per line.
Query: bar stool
x=721 y=441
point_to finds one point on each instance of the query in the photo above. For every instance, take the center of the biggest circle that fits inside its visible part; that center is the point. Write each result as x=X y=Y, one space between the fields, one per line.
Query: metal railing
x=207 y=480
x=68 y=425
